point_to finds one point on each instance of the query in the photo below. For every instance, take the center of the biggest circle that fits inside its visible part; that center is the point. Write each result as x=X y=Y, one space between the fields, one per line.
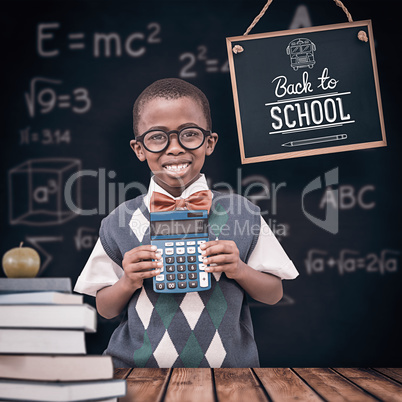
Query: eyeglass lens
x=190 y=138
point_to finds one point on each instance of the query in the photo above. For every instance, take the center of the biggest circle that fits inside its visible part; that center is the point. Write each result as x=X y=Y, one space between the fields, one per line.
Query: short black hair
x=170 y=88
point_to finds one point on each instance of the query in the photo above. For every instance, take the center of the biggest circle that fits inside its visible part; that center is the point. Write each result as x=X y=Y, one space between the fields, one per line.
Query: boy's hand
x=225 y=254
x=138 y=265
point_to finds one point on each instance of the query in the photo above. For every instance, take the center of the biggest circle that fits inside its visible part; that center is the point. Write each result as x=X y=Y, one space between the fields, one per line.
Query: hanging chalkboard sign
x=306 y=92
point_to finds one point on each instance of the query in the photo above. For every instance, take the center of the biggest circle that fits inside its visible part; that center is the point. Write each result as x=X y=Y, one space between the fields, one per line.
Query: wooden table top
x=262 y=384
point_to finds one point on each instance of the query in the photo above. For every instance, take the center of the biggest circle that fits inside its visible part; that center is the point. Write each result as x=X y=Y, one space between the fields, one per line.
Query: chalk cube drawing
x=36 y=191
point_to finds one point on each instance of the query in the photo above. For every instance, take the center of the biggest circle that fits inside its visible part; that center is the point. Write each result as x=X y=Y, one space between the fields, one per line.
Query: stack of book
x=42 y=345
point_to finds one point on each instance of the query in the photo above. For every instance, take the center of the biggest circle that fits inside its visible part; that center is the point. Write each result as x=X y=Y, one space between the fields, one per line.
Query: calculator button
x=159 y=286
x=182 y=277
x=169 y=260
x=179 y=243
x=169 y=251
x=182 y=285
x=169 y=244
x=192 y=275
x=190 y=250
x=192 y=267
x=201 y=258
x=160 y=251
x=181 y=267
x=181 y=259
x=193 y=284
x=191 y=258
x=201 y=266
x=180 y=250
x=203 y=279
x=199 y=250
x=170 y=277
x=171 y=285
x=200 y=241
x=160 y=277
x=169 y=268
x=191 y=243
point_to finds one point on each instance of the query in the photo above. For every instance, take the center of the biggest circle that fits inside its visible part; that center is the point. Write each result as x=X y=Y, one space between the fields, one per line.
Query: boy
x=211 y=328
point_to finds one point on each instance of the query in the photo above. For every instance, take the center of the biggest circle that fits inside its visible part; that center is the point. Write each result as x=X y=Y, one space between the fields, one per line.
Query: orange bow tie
x=199 y=200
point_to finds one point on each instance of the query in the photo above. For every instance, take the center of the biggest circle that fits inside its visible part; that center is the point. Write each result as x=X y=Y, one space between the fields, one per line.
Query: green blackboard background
x=328 y=317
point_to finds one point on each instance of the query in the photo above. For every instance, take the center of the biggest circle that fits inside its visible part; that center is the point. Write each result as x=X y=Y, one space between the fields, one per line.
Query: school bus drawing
x=301 y=52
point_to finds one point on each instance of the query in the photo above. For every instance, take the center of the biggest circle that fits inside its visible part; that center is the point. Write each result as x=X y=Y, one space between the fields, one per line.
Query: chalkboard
x=306 y=92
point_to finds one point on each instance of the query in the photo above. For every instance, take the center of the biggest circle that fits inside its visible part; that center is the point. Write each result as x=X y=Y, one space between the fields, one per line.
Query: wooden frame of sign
x=306 y=91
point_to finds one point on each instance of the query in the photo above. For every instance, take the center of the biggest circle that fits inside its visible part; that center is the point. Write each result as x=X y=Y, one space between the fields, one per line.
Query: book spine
x=34 y=341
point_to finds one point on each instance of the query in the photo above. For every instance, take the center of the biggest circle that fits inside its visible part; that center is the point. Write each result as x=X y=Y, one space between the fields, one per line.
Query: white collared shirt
x=267 y=256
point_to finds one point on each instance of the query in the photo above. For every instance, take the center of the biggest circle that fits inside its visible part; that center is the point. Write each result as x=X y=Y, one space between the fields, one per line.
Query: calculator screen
x=178 y=227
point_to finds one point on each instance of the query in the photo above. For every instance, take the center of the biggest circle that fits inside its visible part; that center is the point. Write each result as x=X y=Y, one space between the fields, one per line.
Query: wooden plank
x=237 y=385
x=332 y=386
x=121 y=373
x=373 y=382
x=146 y=384
x=394 y=373
x=283 y=385
x=190 y=384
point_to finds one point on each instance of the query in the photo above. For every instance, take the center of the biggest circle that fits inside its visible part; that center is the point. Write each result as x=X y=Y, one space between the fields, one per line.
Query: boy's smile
x=176 y=167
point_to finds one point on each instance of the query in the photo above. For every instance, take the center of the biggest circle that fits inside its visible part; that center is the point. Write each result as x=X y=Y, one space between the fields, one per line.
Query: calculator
x=178 y=236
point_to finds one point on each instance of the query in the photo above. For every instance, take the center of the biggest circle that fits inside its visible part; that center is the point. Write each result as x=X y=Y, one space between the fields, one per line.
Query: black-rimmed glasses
x=158 y=140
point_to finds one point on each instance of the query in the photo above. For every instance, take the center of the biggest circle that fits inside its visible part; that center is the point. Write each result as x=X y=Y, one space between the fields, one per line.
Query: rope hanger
x=238 y=49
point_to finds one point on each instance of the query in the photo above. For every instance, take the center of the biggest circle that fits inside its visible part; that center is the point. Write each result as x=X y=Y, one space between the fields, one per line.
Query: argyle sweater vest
x=212 y=328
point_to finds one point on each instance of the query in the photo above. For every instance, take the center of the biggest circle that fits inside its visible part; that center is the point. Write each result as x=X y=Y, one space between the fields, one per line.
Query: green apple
x=21 y=262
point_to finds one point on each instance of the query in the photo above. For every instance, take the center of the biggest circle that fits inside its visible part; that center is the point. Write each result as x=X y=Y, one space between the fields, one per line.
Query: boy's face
x=175 y=168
